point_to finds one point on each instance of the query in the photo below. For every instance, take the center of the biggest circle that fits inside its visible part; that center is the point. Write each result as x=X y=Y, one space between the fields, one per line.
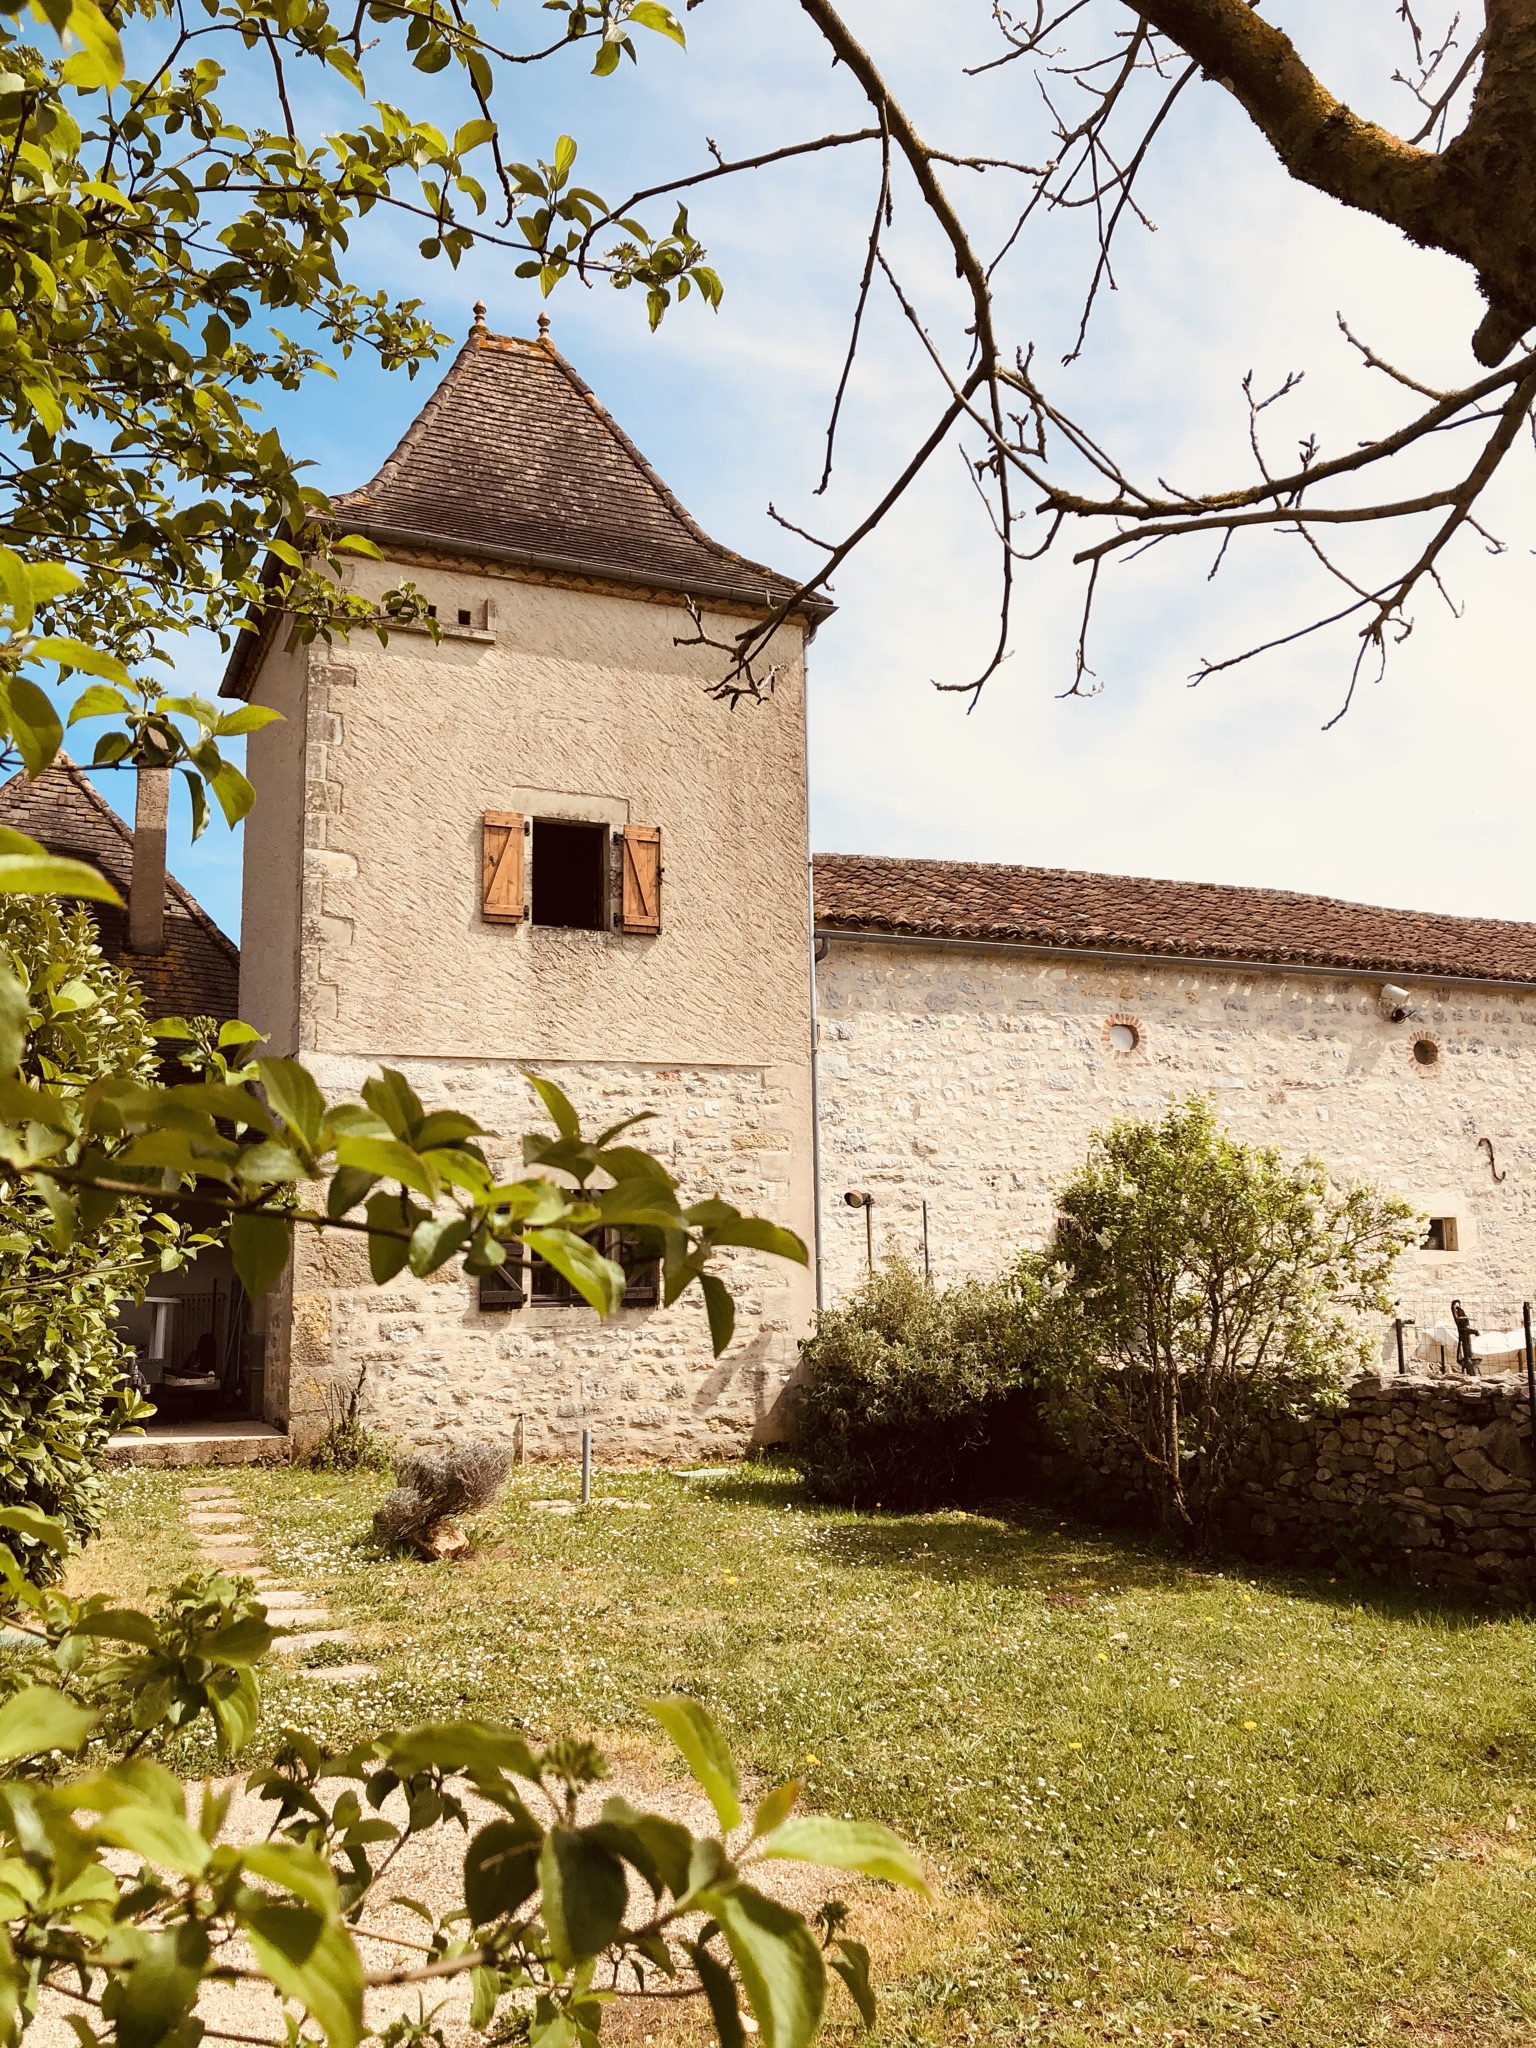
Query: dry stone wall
x=1429 y=1476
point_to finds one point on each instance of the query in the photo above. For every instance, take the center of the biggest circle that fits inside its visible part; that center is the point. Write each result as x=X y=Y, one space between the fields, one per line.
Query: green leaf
x=775 y=1806
x=861 y=1845
x=434 y=1242
x=259 y=1244
x=649 y=14
x=596 y=1279
x=358 y=544
x=99 y=61
x=99 y=701
x=720 y=1989
x=780 y=1965
x=297 y=1869
x=852 y=1965
x=721 y=1310
x=565 y=1119
x=15 y=1012
x=583 y=1894
x=389 y=1159
x=311 y=1959
x=472 y=135
x=235 y=794
x=39 y=1719
x=49 y=874
x=349 y=1186
x=120 y=1625
x=158 y=1836
x=44 y=1529
x=294 y=1094
x=386 y=1254
x=249 y=718
x=31 y=720
x=659 y=1849
x=90 y=661
x=236 y=1033
x=705 y=1753
x=759 y=1234
x=501 y=1866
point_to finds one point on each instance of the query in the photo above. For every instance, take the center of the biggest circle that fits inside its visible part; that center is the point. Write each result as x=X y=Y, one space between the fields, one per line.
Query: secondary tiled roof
x=512 y=456
x=951 y=899
x=198 y=974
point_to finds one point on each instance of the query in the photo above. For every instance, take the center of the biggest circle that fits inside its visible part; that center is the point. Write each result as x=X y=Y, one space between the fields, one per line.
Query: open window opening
x=570 y=874
x=627 y=1248
x=502 y=1290
x=1441 y=1235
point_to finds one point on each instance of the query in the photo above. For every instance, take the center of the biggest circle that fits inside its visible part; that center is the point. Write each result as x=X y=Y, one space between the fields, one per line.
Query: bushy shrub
x=433 y=1486
x=903 y=1389
x=64 y=1384
x=1196 y=1287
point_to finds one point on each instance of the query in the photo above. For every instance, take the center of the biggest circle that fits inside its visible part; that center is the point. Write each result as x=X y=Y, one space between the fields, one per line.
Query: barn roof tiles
x=980 y=901
x=198 y=974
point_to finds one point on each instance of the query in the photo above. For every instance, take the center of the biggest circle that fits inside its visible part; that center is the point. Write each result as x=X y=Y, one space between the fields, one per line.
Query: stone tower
x=537 y=841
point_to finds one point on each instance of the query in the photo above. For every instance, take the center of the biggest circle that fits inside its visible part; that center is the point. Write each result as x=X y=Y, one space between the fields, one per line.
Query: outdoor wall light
x=861 y=1198
x=1396 y=1003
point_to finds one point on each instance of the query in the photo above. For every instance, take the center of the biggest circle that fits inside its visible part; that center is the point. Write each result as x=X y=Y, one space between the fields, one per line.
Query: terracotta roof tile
x=943 y=899
x=513 y=455
x=198 y=974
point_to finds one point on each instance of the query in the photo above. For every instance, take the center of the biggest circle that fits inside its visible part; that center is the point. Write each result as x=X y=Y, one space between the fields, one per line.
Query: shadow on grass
x=1020 y=1543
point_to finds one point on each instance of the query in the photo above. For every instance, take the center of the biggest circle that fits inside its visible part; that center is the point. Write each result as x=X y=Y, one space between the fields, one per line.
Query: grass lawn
x=1165 y=1802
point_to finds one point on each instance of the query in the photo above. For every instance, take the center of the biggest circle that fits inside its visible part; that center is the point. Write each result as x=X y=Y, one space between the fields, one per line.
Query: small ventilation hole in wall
x=1124 y=1037
x=1426 y=1052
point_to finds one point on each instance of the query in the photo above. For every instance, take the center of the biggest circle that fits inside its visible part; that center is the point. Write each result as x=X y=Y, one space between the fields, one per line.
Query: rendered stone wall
x=435 y=1368
x=973 y=1077
x=568 y=702
x=1432 y=1475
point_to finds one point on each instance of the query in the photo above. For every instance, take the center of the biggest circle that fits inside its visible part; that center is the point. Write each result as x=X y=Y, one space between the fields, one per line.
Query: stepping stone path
x=224 y=1536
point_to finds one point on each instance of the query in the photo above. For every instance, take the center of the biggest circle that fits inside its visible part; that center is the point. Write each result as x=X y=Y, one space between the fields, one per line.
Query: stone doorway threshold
x=239 y=1441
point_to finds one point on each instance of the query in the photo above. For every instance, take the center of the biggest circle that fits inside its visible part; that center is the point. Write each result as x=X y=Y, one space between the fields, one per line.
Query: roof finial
x=543 y=327
x=479 y=326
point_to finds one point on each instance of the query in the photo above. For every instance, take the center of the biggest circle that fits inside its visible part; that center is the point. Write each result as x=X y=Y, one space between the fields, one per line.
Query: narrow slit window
x=570 y=874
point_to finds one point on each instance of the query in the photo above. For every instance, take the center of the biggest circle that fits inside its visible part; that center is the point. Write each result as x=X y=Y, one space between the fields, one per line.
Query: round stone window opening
x=1124 y=1037
x=1425 y=1052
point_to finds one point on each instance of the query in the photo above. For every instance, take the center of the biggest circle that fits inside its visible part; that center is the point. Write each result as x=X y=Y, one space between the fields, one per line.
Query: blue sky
x=1420 y=797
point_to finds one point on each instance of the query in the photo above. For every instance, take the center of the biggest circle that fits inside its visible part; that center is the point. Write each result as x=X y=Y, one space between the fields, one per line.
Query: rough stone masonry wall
x=972 y=1078
x=435 y=1369
x=1433 y=1473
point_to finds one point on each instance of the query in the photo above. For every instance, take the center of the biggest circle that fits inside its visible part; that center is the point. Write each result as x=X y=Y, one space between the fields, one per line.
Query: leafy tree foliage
x=160 y=205
x=1197 y=1286
x=903 y=1389
x=63 y=1384
x=545 y=1931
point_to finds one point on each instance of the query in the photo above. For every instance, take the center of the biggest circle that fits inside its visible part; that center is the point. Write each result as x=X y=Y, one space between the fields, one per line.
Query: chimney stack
x=146 y=889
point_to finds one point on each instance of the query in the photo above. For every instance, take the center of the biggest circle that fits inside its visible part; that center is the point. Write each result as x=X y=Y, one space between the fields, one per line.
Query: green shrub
x=64 y=1386
x=904 y=1389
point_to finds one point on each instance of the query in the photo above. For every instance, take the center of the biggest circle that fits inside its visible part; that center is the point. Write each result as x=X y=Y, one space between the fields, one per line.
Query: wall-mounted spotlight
x=1396 y=1004
x=861 y=1198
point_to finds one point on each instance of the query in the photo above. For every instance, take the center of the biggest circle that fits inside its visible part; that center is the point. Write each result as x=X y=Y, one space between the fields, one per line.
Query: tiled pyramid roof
x=513 y=458
x=950 y=899
x=198 y=974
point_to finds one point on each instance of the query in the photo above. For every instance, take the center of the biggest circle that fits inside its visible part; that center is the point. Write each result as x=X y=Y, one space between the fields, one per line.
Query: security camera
x=1396 y=1003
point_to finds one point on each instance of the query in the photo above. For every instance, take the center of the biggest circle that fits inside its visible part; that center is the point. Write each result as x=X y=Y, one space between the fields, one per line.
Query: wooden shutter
x=642 y=878
x=501 y=867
